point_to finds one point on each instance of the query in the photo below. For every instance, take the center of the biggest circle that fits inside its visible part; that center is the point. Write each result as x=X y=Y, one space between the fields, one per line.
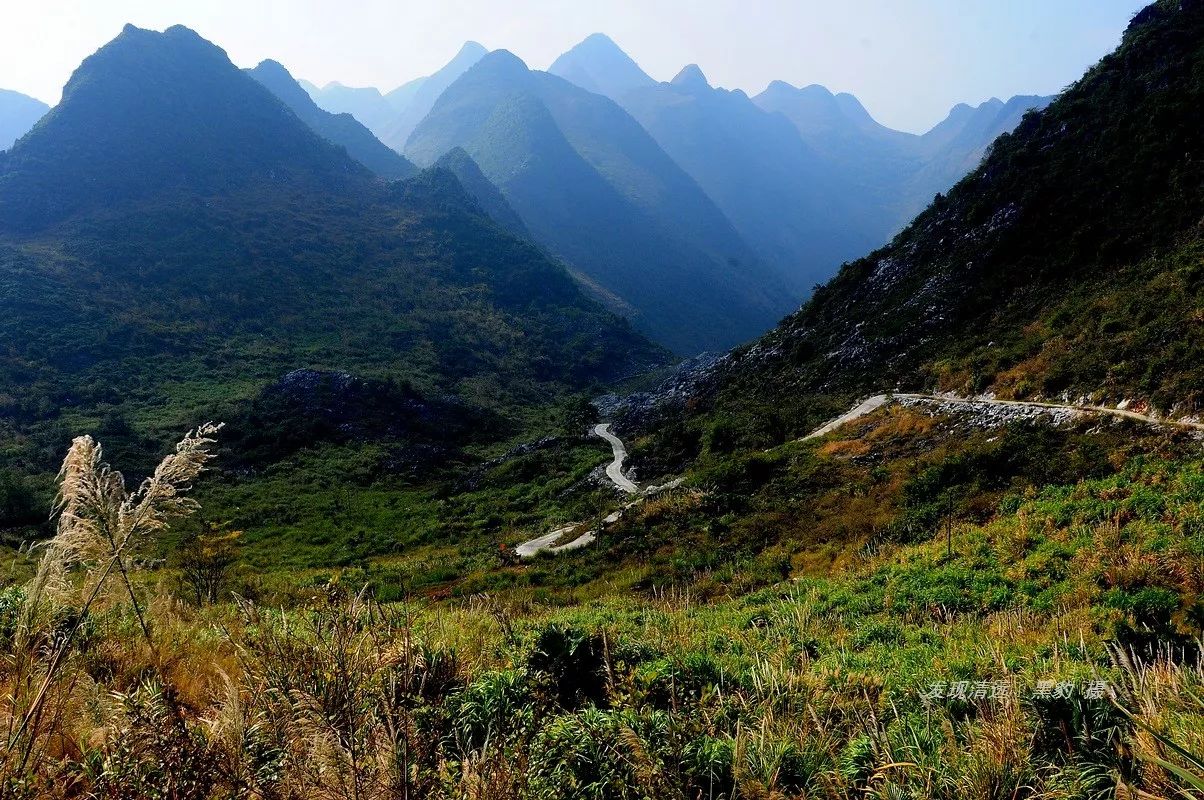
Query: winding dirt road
x=547 y=542
x=614 y=470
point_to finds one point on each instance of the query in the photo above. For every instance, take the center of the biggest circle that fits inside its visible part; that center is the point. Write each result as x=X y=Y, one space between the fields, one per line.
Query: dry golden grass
x=676 y=504
x=845 y=448
x=1024 y=379
x=901 y=423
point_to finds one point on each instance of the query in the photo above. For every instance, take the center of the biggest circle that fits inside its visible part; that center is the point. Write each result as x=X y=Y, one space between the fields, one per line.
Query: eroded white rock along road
x=879 y=400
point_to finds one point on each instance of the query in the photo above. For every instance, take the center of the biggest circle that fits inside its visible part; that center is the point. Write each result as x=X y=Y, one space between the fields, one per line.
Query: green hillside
x=488 y=196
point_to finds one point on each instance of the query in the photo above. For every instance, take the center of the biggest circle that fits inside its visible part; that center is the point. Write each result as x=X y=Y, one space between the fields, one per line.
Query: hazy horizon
x=908 y=65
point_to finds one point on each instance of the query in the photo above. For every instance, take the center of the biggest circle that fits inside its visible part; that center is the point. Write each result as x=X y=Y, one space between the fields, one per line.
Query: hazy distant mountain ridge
x=593 y=186
x=801 y=197
x=896 y=173
x=340 y=129
x=835 y=187
x=365 y=103
x=18 y=113
x=784 y=200
x=820 y=114
x=599 y=66
x=393 y=115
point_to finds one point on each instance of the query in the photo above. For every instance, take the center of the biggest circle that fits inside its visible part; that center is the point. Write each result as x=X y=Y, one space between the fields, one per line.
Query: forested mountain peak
x=599 y=65
x=151 y=112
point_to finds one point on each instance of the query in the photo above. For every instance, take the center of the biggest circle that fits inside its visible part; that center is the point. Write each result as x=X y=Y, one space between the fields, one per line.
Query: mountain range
x=790 y=204
x=893 y=174
x=594 y=187
x=743 y=204
x=632 y=201
x=807 y=179
x=174 y=237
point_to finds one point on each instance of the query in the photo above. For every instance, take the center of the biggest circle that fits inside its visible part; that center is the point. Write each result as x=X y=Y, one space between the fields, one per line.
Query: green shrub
x=599 y=755
x=571 y=662
x=871 y=632
x=491 y=708
x=708 y=767
x=856 y=761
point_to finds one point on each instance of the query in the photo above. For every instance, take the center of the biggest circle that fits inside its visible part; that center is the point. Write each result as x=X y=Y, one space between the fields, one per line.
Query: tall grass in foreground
x=101 y=527
x=810 y=690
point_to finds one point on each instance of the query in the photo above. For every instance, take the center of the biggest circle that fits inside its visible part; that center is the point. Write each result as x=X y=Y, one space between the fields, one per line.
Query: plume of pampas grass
x=99 y=524
x=99 y=520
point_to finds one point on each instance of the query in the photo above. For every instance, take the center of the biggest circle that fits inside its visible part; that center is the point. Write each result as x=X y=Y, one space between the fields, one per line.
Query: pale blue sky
x=907 y=60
